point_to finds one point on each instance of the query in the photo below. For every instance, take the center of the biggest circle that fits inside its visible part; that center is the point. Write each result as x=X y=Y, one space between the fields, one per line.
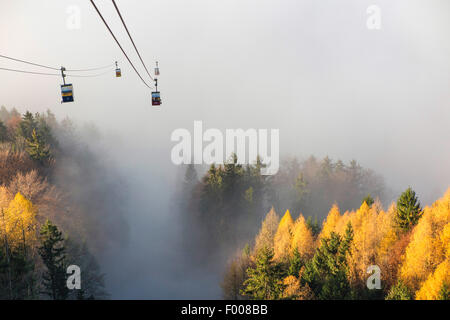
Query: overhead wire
x=88 y=75
x=54 y=68
x=27 y=62
x=123 y=51
x=56 y=74
x=132 y=41
x=32 y=72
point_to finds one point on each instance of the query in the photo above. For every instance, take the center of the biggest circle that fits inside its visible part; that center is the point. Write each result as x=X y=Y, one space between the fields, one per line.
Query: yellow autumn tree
x=445 y=241
x=363 y=248
x=391 y=247
x=331 y=222
x=267 y=232
x=426 y=249
x=20 y=223
x=302 y=238
x=5 y=198
x=432 y=287
x=283 y=237
x=294 y=290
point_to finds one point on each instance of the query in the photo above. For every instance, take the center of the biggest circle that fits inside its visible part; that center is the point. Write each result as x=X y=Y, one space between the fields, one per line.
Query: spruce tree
x=444 y=292
x=399 y=292
x=37 y=149
x=326 y=272
x=52 y=252
x=295 y=264
x=408 y=210
x=313 y=226
x=264 y=279
x=345 y=245
x=368 y=200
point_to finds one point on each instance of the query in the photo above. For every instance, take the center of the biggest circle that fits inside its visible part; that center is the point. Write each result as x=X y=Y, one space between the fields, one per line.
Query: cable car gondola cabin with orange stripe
x=67 y=93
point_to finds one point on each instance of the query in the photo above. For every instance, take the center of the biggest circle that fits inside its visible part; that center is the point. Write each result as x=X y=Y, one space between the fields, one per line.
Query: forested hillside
x=297 y=259
x=55 y=200
x=224 y=208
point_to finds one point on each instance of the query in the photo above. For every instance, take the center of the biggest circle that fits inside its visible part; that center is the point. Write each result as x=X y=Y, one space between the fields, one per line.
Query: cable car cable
x=52 y=68
x=27 y=62
x=91 y=69
x=88 y=76
x=31 y=72
x=56 y=74
x=129 y=35
x=123 y=51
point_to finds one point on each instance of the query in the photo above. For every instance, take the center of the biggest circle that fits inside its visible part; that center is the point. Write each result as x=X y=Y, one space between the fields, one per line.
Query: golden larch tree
x=426 y=249
x=331 y=222
x=302 y=239
x=364 y=245
x=283 y=237
x=432 y=287
x=267 y=232
x=20 y=222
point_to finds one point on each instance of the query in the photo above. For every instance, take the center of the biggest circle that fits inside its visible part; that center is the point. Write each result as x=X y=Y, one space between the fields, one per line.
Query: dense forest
x=60 y=206
x=53 y=199
x=298 y=259
x=317 y=253
x=224 y=208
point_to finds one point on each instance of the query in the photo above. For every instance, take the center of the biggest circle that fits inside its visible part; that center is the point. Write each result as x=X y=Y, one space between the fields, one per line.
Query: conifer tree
x=52 y=252
x=368 y=200
x=444 y=293
x=295 y=264
x=313 y=225
x=408 y=210
x=264 y=279
x=399 y=292
x=302 y=238
x=267 y=232
x=283 y=238
x=37 y=148
x=326 y=272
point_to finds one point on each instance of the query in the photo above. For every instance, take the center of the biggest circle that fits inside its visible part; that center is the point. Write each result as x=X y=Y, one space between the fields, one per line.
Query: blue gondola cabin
x=156 y=98
x=67 y=93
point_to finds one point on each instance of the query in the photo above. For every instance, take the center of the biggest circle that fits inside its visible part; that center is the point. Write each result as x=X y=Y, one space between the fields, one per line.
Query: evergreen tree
x=408 y=210
x=27 y=125
x=326 y=272
x=368 y=200
x=190 y=177
x=52 y=252
x=345 y=245
x=3 y=132
x=399 y=292
x=295 y=264
x=37 y=149
x=301 y=191
x=444 y=293
x=313 y=226
x=264 y=279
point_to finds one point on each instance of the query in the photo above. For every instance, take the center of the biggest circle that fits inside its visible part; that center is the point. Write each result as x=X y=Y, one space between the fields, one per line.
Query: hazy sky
x=309 y=68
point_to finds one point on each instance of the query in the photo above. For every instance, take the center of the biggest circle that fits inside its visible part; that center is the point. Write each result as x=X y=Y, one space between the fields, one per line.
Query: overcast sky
x=309 y=68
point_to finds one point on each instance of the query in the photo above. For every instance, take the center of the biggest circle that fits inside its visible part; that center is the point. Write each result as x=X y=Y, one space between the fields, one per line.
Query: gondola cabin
x=157 y=69
x=156 y=98
x=67 y=93
x=118 y=73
